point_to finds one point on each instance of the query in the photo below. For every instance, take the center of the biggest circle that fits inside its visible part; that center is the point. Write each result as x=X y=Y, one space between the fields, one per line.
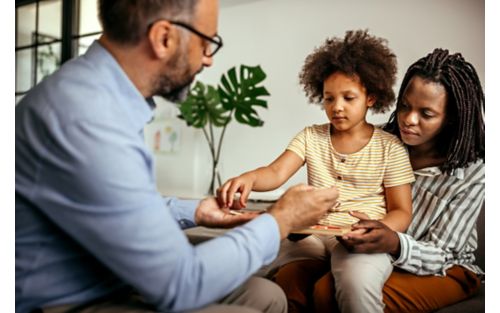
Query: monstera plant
x=235 y=97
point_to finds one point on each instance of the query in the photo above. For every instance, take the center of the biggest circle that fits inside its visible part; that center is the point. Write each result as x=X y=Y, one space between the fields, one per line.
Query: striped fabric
x=443 y=230
x=360 y=177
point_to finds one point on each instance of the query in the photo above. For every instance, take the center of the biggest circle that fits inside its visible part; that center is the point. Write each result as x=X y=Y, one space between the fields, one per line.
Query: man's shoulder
x=76 y=91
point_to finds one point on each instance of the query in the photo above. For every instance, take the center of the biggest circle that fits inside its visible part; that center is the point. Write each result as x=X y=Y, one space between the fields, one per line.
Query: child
x=369 y=167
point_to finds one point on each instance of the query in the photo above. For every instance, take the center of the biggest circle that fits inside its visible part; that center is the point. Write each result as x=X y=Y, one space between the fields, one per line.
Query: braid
x=462 y=141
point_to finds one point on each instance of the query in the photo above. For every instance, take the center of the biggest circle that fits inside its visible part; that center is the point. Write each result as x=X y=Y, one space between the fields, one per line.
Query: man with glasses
x=92 y=232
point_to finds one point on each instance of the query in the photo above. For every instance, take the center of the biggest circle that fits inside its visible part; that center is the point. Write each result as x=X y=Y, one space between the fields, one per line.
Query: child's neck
x=352 y=140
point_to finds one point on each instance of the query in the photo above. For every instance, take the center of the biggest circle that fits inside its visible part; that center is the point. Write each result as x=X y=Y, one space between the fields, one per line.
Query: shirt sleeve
x=182 y=210
x=298 y=144
x=446 y=237
x=106 y=200
x=398 y=171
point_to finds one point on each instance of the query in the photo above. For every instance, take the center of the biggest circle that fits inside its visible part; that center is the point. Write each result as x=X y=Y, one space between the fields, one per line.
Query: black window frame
x=70 y=18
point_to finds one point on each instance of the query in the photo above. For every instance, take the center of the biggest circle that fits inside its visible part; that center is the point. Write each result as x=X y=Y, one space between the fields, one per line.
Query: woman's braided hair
x=462 y=140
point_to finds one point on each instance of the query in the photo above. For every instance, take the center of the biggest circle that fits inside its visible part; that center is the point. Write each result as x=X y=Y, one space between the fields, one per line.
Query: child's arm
x=399 y=207
x=261 y=179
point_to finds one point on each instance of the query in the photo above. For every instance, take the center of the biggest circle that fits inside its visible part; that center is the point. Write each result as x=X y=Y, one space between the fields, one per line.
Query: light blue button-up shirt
x=89 y=219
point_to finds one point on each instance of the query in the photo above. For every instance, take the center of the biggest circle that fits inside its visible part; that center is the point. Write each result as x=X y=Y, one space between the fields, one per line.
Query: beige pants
x=359 y=278
x=255 y=295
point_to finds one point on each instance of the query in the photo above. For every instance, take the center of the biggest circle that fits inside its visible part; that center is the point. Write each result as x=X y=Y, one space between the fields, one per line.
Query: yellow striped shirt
x=360 y=177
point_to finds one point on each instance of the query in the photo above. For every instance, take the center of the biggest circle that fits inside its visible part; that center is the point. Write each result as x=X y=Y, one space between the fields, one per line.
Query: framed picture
x=163 y=136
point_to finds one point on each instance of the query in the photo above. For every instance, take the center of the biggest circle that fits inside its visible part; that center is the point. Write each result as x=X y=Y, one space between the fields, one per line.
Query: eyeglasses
x=215 y=43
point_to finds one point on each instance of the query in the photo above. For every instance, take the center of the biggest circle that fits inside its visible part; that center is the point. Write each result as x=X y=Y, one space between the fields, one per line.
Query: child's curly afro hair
x=358 y=54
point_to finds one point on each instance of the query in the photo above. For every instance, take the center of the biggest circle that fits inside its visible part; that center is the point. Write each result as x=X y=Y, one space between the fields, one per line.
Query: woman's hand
x=242 y=184
x=370 y=236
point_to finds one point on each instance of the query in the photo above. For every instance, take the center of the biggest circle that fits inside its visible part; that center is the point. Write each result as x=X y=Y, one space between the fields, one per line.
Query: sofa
x=474 y=304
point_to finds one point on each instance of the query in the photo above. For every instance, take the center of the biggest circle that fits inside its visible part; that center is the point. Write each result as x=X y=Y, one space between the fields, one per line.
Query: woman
x=439 y=116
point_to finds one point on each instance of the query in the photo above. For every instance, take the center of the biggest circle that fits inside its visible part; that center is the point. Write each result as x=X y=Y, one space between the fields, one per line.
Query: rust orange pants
x=309 y=287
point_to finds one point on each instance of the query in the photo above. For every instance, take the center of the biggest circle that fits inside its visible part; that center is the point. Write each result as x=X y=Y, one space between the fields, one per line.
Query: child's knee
x=360 y=275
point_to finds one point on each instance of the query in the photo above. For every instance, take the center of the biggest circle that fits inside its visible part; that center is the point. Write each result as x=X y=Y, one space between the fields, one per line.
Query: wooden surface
x=323 y=230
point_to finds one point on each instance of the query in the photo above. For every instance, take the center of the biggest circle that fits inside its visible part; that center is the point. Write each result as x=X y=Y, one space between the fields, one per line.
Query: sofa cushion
x=471 y=305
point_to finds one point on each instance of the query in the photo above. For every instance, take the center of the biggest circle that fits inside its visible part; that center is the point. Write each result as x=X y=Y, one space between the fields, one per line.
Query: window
x=48 y=33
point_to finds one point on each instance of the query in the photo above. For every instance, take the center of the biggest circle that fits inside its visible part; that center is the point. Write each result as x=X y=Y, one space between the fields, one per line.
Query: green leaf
x=203 y=105
x=242 y=93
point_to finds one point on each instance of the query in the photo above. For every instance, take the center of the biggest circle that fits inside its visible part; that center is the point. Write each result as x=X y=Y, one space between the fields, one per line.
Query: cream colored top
x=360 y=177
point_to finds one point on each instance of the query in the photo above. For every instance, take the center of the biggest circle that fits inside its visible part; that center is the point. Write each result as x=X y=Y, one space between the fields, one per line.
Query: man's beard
x=176 y=95
x=175 y=83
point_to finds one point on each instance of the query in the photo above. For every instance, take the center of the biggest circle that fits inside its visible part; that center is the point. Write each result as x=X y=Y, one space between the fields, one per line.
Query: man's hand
x=302 y=206
x=210 y=214
x=376 y=238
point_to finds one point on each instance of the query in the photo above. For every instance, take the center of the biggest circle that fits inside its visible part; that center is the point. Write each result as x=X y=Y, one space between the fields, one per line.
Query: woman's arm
x=398 y=199
x=439 y=242
x=446 y=238
x=261 y=179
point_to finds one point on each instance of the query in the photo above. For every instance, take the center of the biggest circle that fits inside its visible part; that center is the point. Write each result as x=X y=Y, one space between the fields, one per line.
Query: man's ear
x=371 y=100
x=161 y=37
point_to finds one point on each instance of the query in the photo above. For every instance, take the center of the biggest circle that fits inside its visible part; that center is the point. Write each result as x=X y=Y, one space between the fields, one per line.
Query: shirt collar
x=435 y=171
x=138 y=109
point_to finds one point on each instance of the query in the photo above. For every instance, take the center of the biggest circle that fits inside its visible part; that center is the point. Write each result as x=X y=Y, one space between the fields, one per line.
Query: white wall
x=278 y=34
